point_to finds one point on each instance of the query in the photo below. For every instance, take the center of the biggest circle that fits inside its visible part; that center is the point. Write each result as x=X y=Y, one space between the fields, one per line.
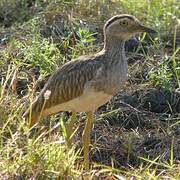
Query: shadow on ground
x=142 y=124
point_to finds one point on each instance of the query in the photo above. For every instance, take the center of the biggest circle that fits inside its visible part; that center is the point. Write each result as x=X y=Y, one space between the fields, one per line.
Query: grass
x=127 y=141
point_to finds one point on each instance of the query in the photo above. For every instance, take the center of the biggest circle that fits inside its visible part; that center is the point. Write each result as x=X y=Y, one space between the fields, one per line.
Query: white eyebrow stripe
x=114 y=19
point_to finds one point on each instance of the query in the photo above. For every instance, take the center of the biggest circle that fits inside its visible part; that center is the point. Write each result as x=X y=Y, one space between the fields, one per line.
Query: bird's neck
x=116 y=64
x=114 y=48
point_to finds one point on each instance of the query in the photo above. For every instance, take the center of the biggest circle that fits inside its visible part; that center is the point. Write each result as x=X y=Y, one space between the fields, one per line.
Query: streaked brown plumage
x=90 y=81
x=66 y=84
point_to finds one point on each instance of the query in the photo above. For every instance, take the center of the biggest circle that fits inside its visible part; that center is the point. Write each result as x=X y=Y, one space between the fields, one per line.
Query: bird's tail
x=34 y=113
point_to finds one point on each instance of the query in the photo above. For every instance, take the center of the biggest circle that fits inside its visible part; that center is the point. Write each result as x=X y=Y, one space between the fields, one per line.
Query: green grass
x=50 y=33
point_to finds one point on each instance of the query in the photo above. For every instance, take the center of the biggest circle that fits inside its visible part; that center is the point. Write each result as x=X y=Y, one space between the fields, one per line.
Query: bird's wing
x=69 y=81
x=65 y=84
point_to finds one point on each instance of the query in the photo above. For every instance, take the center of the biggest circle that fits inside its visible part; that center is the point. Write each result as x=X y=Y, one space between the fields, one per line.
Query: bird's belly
x=88 y=101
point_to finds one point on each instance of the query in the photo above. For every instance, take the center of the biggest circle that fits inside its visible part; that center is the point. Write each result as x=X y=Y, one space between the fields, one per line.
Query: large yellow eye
x=124 y=23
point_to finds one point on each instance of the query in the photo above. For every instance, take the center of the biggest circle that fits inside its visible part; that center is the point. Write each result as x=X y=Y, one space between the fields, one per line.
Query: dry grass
x=137 y=139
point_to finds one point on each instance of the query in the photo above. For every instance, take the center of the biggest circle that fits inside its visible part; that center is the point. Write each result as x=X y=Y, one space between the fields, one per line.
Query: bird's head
x=124 y=27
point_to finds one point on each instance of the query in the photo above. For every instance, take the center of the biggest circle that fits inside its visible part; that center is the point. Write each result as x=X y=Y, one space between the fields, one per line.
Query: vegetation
x=136 y=139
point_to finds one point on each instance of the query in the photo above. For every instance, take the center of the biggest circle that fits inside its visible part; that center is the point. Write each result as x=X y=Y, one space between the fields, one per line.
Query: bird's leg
x=86 y=138
x=69 y=128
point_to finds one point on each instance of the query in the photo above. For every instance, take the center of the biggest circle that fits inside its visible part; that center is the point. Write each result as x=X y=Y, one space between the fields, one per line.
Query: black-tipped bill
x=146 y=29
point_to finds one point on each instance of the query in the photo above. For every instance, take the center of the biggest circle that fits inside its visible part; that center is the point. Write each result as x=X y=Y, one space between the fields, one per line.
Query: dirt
x=143 y=125
x=124 y=147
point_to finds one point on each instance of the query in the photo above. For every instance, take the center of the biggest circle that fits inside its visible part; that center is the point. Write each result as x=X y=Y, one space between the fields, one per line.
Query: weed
x=44 y=34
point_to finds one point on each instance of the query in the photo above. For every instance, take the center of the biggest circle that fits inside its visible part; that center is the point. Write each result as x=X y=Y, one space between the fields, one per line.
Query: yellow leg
x=69 y=128
x=86 y=138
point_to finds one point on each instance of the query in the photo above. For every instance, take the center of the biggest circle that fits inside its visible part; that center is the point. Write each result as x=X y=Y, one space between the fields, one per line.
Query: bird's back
x=67 y=83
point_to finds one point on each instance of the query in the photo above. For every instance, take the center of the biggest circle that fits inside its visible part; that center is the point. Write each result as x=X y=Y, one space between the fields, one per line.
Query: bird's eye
x=124 y=23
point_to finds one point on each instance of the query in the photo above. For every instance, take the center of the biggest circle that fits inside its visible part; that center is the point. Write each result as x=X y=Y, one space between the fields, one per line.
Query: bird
x=88 y=82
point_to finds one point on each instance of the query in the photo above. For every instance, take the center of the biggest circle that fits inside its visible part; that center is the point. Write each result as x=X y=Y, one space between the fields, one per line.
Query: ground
x=135 y=136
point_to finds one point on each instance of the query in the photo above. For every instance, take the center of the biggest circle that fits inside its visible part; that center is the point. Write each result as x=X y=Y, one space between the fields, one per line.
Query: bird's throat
x=113 y=45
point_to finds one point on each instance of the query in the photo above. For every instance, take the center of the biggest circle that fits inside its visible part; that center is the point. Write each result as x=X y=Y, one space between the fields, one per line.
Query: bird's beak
x=143 y=28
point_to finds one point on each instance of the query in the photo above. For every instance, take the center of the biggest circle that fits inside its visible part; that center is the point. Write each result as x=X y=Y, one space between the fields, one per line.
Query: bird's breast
x=114 y=78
